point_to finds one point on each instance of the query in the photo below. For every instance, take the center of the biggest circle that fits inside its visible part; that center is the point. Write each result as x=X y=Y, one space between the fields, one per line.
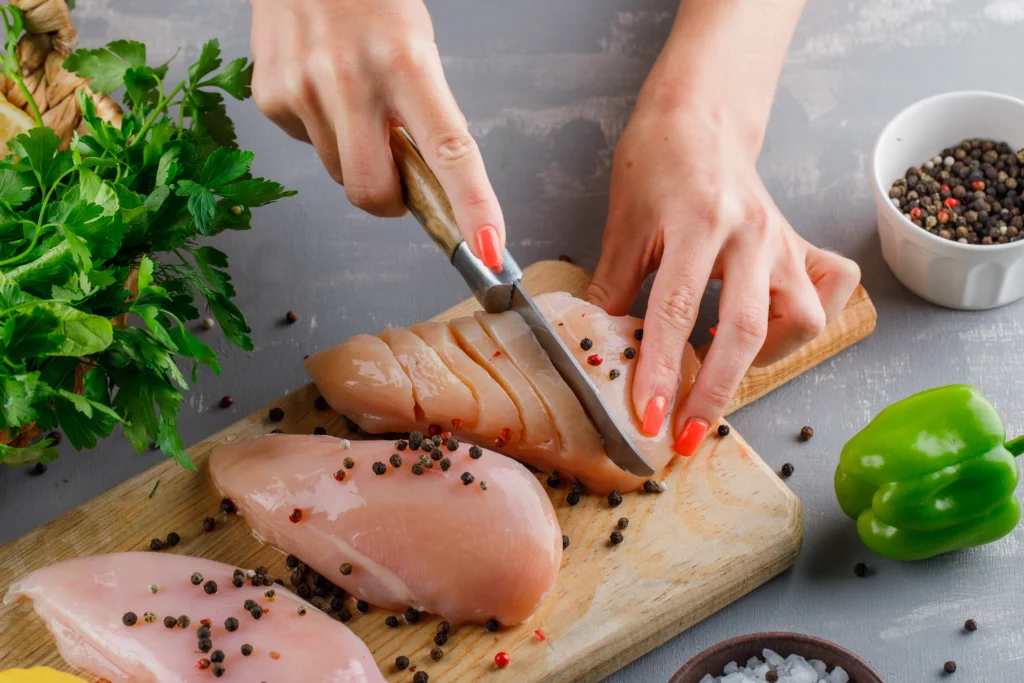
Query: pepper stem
x=1015 y=446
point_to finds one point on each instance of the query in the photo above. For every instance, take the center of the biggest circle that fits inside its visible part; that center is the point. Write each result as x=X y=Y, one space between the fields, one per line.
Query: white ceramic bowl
x=948 y=273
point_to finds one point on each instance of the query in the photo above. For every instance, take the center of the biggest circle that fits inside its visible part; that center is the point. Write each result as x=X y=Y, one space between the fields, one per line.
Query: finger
x=835 y=278
x=671 y=312
x=624 y=265
x=429 y=111
x=743 y=313
x=267 y=82
x=795 y=316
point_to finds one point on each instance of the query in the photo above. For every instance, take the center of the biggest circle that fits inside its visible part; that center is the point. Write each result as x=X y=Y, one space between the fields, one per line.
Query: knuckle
x=749 y=326
x=453 y=147
x=717 y=396
x=676 y=311
x=329 y=65
x=371 y=197
x=407 y=57
x=475 y=195
x=807 y=323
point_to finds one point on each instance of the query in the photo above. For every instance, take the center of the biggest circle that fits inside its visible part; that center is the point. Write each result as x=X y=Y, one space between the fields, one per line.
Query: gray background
x=547 y=87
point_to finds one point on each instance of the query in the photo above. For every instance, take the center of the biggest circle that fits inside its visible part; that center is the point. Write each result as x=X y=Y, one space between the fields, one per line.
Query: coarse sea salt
x=791 y=669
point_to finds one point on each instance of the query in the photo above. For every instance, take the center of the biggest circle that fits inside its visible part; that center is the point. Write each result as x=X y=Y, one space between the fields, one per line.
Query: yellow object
x=37 y=674
x=13 y=122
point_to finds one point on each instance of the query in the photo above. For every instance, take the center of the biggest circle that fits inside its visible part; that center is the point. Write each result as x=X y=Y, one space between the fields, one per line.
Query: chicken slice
x=85 y=603
x=469 y=552
x=362 y=380
x=496 y=412
x=441 y=397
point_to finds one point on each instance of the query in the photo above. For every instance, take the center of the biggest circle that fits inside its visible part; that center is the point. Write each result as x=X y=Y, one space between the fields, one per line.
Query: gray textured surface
x=547 y=88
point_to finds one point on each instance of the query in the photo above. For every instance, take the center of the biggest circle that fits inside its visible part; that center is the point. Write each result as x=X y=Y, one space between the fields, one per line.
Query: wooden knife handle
x=424 y=195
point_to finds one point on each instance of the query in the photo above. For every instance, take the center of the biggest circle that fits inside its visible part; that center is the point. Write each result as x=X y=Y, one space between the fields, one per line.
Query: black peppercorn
x=436 y=454
x=860 y=569
x=319 y=431
x=344 y=615
x=475 y=452
x=420 y=677
x=586 y=344
x=436 y=654
x=554 y=481
x=445 y=464
x=129 y=619
x=395 y=460
x=231 y=624
x=615 y=499
x=337 y=603
x=256 y=612
x=203 y=632
x=205 y=645
x=572 y=498
x=227 y=506
x=565 y=541
x=949 y=667
x=379 y=468
x=184 y=621
x=970 y=625
x=806 y=433
x=363 y=606
x=248 y=605
x=771 y=677
x=156 y=544
x=349 y=463
x=217 y=656
x=440 y=638
x=218 y=670
x=452 y=444
x=276 y=414
x=257 y=580
x=492 y=625
x=209 y=524
x=291 y=562
x=629 y=353
x=623 y=522
x=616 y=537
x=638 y=334
x=226 y=402
x=651 y=486
x=320 y=404
x=787 y=469
x=392 y=621
x=246 y=650
x=417 y=468
x=401 y=445
x=238 y=580
x=38 y=469
x=173 y=539
x=303 y=591
x=614 y=374
x=444 y=627
x=467 y=478
x=402 y=663
x=210 y=587
x=291 y=317
x=723 y=430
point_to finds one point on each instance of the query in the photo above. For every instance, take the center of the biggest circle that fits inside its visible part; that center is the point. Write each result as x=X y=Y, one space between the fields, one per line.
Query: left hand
x=686 y=199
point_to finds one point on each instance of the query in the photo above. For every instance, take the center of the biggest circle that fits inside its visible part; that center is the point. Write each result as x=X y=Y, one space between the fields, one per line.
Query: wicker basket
x=49 y=38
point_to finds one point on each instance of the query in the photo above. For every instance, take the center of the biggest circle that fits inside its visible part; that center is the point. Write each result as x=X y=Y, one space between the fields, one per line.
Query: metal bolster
x=492 y=290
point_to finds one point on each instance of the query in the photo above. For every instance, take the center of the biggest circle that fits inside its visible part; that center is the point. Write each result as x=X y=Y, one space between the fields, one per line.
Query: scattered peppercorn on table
x=638 y=568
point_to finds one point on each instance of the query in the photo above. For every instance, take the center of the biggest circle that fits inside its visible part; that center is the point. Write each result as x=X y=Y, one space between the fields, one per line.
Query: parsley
x=133 y=200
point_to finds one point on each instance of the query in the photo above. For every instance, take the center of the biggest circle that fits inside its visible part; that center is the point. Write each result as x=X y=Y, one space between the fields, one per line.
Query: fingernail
x=691 y=437
x=654 y=415
x=489 y=246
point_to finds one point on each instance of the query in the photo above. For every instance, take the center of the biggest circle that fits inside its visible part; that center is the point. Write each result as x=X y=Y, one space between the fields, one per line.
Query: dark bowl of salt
x=739 y=653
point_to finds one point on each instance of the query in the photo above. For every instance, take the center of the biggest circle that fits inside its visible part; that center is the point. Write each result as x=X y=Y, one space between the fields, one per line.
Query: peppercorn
x=615 y=499
x=554 y=481
x=362 y=606
x=379 y=468
x=291 y=562
x=337 y=603
x=303 y=591
x=565 y=541
x=573 y=498
x=296 y=516
x=226 y=402
x=949 y=667
x=209 y=524
x=203 y=631
x=257 y=580
x=217 y=656
x=395 y=460
x=629 y=353
x=436 y=654
x=173 y=539
x=276 y=414
x=638 y=334
x=435 y=455
x=420 y=677
x=349 y=463
x=594 y=360
x=723 y=430
x=613 y=374
x=501 y=660
x=231 y=624
x=402 y=663
x=129 y=619
x=586 y=344
x=417 y=469
x=651 y=486
x=183 y=621
x=411 y=616
x=291 y=317
x=248 y=605
x=970 y=625
x=256 y=612
x=616 y=537
x=806 y=433
x=155 y=544
x=787 y=469
x=392 y=621
x=319 y=431
x=860 y=569
x=771 y=677
x=246 y=649
x=475 y=452
x=440 y=638
x=210 y=587
x=492 y=625
x=467 y=478
x=623 y=522
x=343 y=614
x=205 y=645
x=238 y=580
x=445 y=464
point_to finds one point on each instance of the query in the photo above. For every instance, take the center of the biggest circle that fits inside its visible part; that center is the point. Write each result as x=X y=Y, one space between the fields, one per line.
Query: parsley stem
x=160 y=108
x=28 y=96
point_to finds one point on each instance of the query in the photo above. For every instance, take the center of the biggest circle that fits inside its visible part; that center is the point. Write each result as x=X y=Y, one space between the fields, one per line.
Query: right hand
x=341 y=73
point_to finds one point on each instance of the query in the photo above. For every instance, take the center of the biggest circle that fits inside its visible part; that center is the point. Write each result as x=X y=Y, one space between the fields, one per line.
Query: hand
x=686 y=199
x=341 y=73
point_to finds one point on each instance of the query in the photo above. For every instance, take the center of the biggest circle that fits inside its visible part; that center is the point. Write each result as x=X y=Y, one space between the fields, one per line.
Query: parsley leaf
x=106 y=67
x=201 y=203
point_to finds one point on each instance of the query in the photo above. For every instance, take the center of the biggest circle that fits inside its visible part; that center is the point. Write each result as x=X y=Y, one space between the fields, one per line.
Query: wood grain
x=726 y=524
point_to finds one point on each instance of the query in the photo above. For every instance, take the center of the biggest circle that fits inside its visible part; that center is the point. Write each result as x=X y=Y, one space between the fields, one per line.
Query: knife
x=503 y=291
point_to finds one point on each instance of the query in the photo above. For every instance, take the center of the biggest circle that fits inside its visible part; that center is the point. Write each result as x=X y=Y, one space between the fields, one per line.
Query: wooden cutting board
x=726 y=524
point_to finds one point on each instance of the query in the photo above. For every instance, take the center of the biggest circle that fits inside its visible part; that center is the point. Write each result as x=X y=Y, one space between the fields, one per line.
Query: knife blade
x=500 y=291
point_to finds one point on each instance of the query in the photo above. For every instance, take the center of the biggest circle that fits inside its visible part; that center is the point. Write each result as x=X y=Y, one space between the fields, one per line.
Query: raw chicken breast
x=440 y=396
x=83 y=602
x=556 y=434
x=497 y=413
x=367 y=384
x=427 y=541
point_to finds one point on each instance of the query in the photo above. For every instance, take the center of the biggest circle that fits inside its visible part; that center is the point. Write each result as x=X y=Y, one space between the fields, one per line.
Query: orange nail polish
x=489 y=246
x=691 y=437
x=654 y=416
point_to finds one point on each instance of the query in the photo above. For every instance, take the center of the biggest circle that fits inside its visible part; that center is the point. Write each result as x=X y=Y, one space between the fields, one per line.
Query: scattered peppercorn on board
x=726 y=524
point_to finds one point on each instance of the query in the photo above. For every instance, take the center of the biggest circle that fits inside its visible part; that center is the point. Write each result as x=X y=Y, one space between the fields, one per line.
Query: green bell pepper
x=930 y=474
